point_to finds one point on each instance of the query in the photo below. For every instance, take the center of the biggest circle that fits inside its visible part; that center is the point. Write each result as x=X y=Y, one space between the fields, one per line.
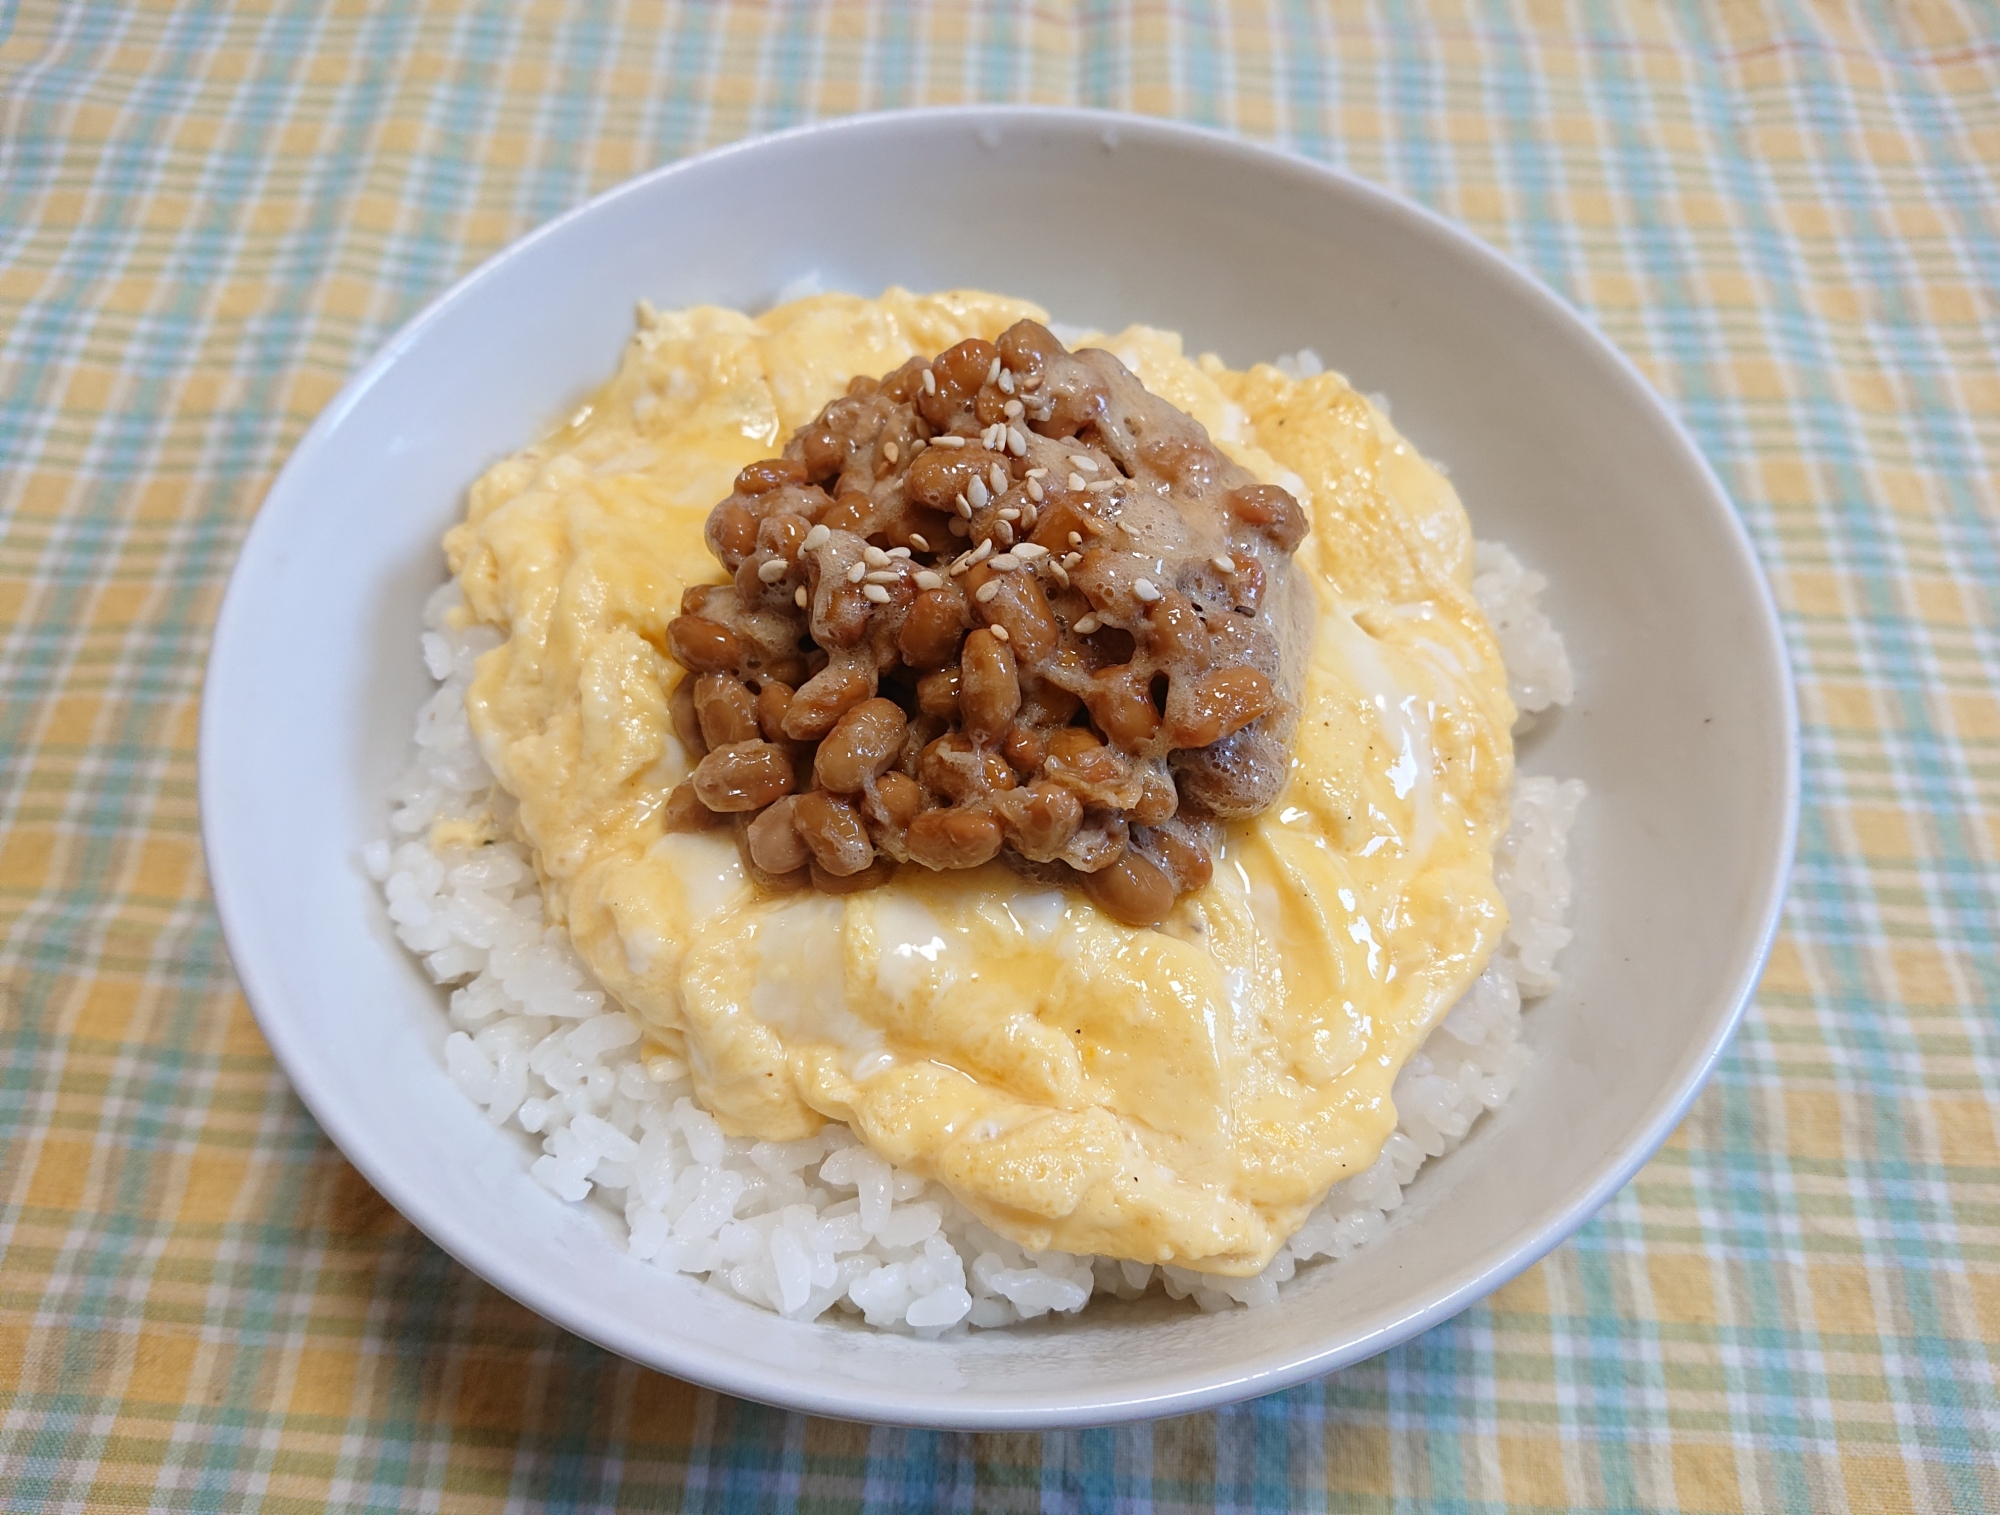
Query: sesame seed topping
x=1038 y=473
x=928 y=580
x=1061 y=573
x=997 y=477
x=1076 y=481
x=976 y=494
x=880 y=576
x=1004 y=530
x=1010 y=514
x=1101 y=485
x=1002 y=562
x=1033 y=381
x=916 y=445
x=818 y=537
x=963 y=507
x=1028 y=551
x=857 y=573
x=1006 y=382
x=956 y=527
x=920 y=543
x=1076 y=539
x=900 y=552
x=1081 y=460
x=1013 y=409
x=1017 y=441
x=891 y=451
x=1029 y=516
x=983 y=551
x=801 y=598
x=993 y=372
x=1035 y=490
x=1144 y=589
x=947 y=441
x=962 y=562
x=1224 y=561
x=999 y=633
x=1093 y=526
x=772 y=571
x=1086 y=624
x=877 y=595
x=985 y=592
x=930 y=382
x=874 y=556
x=1071 y=559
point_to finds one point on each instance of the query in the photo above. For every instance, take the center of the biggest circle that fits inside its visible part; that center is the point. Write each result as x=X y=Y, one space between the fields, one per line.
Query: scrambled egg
x=1183 y=1094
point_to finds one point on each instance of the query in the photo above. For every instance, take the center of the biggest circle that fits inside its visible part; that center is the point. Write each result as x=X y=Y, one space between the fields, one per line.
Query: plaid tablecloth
x=1787 y=212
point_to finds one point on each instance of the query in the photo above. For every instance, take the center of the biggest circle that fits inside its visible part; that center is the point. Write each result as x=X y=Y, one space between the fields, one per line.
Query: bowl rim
x=1205 y=1387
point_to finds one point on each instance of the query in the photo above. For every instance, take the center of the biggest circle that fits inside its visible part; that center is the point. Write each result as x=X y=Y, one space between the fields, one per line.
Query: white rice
x=825 y=1225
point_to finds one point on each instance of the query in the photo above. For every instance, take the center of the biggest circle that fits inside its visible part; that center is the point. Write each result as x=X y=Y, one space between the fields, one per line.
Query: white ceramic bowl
x=1683 y=724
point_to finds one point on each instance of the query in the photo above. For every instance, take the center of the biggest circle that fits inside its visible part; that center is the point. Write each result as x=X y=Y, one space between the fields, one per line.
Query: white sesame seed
x=956 y=527
x=1004 y=530
x=891 y=451
x=772 y=571
x=857 y=573
x=1076 y=481
x=1033 y=381
x=1079 y=460
x=1224 y=561
x=1101 y=485
x=922 y=544
x=1004 y=561
x=801 y=598
x=881 y=576
x=1061 y=573
x=996 y=476
x=1144 y=589
x=1086 y=624
x=900 y=552
x=876 y=594
x=1028 y=551
x=1038 y=473
x=960 y=565
x=976 y=494
x=874 y=556
x=1012 y=410
x=947 y=441
x=1006 y=382
x=1017 y=441
x=1071 y=559
x=1035 y=490
x=930 y=382
x=1092 y=526
x=916 y=445
x=985 y=592
x=983 y=551
x=1010 y=514
x=817 y=537
x=928 y=580
x=999 y=633
x=960 y=505
x=993 y=372
x=1076 y=539
x=1029 y=516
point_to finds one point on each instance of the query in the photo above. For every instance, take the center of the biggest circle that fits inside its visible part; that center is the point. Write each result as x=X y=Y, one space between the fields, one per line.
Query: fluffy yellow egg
x=1182 y=1094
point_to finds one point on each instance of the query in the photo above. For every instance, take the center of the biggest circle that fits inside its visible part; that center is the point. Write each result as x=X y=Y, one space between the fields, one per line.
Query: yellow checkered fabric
x=1788 y=213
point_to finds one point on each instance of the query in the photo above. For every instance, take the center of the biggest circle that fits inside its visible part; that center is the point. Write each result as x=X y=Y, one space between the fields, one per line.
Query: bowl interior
x=1682 y=725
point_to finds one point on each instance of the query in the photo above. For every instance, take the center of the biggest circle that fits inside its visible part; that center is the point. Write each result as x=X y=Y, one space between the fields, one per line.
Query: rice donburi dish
x=934 y=821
